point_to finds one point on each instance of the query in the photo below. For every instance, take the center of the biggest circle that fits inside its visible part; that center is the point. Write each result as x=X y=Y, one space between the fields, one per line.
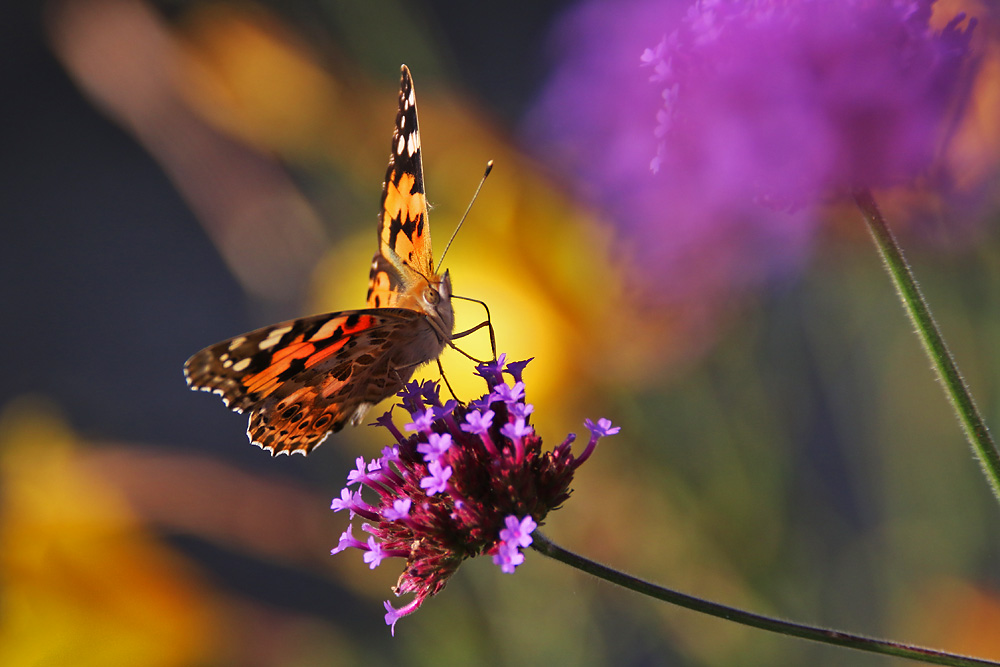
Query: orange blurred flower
x=83 y=583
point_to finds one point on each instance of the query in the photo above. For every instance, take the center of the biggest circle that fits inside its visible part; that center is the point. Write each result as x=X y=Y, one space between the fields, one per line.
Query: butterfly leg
x=446 y=383
x=466 y=354
x=487 y=323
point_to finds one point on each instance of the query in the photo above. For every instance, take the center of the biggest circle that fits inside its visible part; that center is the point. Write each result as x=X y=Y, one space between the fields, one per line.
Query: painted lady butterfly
x=304 y=379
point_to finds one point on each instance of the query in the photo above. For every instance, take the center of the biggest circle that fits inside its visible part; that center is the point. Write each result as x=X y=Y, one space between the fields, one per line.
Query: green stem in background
x=930 y=336
x=543 y=545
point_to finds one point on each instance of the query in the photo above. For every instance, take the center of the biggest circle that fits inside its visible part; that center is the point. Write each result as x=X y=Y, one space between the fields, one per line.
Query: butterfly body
x=304 y=379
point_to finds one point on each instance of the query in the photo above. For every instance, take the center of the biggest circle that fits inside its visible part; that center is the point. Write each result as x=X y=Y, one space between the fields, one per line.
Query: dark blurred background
x=176 y=173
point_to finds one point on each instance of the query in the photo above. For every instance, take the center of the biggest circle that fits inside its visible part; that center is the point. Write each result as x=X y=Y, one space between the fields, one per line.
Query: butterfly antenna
x=489 y=168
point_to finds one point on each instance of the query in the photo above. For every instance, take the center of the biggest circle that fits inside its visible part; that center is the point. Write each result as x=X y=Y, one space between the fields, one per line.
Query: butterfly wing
x=306 y=378
x=404 y=234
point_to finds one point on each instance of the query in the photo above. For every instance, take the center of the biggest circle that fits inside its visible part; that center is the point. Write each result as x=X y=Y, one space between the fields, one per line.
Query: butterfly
x=304 y=379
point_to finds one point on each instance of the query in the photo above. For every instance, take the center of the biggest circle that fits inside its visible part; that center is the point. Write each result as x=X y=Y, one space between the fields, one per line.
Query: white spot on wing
x=273 y=338
x=413 y=143
x=400 y=146
x=241 y=365
x=326 y=330
x=236 y=342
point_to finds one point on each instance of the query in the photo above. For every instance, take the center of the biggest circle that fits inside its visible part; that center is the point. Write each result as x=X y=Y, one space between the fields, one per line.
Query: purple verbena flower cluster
x=832 y=95
x=739 y=103
x=469 y=480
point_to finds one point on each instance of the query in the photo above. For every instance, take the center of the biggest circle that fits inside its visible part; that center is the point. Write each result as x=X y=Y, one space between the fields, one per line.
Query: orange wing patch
x=383 y=285
x=404 y=230
x=314 y=350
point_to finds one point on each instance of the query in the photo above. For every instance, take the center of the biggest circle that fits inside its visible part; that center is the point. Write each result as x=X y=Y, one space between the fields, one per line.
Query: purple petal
x=478 y=422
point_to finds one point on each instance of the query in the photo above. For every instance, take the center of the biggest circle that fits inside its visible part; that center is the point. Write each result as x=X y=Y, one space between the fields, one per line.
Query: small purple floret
x=347 y=539
x=343 y=502
x=518 y=532
x=602 y=427
x=478 y=422
x=516 y=368
x=437 y=444
x=422 y=422
x=508 y=557
x=492 y=371
x=400 y=510
x=518 y=429
x=446 y=409
x=360 y=472
x=437 y=478
x=520 y=410
x=509 y=395
x=374 y=555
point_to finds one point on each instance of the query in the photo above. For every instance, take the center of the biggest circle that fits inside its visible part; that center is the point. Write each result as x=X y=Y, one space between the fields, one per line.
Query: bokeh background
x=175 y=173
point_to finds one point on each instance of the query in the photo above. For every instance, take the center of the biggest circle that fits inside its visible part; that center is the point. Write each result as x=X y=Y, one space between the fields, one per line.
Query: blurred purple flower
x=737 y=104
x=472 y=481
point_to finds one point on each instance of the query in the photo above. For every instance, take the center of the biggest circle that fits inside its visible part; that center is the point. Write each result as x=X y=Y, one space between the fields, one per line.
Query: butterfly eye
x=431 y=296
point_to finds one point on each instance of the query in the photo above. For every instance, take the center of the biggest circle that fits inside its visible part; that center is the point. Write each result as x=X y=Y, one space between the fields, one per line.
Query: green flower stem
x=930 y=336
x=543 y=545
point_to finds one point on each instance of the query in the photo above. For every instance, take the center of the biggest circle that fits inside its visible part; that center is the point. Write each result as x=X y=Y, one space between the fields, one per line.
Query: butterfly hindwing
x=306 y=378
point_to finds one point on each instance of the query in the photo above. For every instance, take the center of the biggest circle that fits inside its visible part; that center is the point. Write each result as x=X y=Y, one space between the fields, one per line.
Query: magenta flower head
x=692 y=122
x=828 y=95
x=472 y=480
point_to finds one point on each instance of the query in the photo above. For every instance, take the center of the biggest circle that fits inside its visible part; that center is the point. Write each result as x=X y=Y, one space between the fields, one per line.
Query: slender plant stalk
x=844 y=639
x=944 y=364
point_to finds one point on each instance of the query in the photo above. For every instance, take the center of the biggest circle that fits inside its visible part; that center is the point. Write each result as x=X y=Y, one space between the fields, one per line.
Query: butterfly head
x=433 y=297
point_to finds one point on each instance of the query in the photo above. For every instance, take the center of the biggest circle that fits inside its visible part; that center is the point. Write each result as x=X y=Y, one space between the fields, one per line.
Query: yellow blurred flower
x=83 y=583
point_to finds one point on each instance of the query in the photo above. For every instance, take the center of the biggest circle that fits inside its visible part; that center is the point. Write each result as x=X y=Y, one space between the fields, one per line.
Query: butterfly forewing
x=404 y=234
